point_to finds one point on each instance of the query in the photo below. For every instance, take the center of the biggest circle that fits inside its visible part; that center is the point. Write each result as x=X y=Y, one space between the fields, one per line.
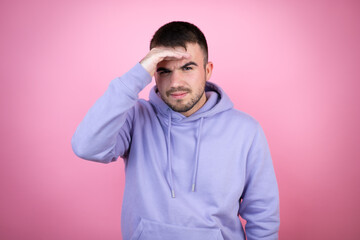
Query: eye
x=187 y=68
x=163 y=72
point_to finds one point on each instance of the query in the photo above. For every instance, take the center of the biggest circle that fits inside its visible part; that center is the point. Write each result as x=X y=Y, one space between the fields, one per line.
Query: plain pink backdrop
x=293 y=65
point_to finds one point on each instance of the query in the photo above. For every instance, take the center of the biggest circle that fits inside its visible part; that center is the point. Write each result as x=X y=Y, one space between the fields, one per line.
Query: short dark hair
x=178 y=34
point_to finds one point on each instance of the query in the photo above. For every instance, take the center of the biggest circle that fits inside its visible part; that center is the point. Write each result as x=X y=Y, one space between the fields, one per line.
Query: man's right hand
x=158 y=54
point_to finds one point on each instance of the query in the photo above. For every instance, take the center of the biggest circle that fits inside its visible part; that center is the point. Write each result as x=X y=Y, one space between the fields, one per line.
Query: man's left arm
x=260 y=199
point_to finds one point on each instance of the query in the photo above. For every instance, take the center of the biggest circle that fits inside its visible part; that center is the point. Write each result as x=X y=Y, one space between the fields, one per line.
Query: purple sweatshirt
x=186 y=178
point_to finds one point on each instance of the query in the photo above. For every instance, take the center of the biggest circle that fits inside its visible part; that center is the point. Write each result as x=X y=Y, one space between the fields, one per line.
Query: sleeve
x=104 y=133
x=260 y=199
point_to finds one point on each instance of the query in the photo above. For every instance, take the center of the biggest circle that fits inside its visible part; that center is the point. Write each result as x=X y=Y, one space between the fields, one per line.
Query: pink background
x=293 y=65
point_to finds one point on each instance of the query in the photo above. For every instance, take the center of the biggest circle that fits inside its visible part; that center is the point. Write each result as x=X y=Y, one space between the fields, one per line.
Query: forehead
x=196 y=55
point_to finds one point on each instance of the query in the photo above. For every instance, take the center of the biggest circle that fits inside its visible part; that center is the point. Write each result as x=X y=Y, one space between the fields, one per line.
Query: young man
x=193 y=163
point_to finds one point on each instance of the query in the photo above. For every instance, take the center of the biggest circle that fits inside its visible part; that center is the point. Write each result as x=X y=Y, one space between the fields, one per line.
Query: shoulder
x=241 y=118
x=241 y=126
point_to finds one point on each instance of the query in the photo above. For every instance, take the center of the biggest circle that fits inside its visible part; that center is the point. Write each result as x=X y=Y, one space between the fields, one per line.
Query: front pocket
x=150 y=230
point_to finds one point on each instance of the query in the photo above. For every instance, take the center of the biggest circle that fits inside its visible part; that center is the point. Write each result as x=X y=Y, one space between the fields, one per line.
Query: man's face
x=181 y=83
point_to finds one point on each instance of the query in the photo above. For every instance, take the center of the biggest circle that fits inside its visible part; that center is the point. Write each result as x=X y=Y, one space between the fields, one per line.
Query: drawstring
x=169 y=157
x=197 y=155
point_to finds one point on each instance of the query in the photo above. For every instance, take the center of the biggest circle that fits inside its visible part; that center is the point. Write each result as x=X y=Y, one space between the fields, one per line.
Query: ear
x=208 y=70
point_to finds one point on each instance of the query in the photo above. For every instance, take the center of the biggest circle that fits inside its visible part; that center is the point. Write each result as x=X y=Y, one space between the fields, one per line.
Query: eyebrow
x=189 y=64
x=183 y=66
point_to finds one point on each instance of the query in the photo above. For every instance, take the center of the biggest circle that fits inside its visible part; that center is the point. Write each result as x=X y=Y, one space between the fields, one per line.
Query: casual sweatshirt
x=186 y=178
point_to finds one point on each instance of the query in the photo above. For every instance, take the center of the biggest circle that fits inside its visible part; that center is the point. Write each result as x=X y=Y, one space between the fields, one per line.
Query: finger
x=177 y=56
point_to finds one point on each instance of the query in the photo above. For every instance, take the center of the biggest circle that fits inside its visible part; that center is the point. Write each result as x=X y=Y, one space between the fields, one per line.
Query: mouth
x=178 y=95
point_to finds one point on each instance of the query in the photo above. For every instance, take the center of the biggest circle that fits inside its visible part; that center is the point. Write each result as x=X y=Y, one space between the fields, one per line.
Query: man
x=193 y=163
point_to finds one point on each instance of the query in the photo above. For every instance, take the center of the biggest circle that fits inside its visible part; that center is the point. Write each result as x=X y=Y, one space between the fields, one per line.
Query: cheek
x=158 y=81
x=193 y=75
x=161 y=84
x=196 y=77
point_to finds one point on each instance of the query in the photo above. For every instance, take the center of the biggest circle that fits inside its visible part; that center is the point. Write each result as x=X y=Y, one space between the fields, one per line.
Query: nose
x=176 y=79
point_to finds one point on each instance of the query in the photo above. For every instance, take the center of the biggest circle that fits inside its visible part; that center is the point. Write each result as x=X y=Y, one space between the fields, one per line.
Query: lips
x=178 y=95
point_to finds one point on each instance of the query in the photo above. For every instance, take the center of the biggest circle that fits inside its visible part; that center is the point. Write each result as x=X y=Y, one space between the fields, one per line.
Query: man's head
x=179 y=34
x=181 y=82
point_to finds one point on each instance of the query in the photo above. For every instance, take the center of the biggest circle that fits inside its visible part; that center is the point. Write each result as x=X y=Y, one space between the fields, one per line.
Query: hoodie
x=185 y=177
